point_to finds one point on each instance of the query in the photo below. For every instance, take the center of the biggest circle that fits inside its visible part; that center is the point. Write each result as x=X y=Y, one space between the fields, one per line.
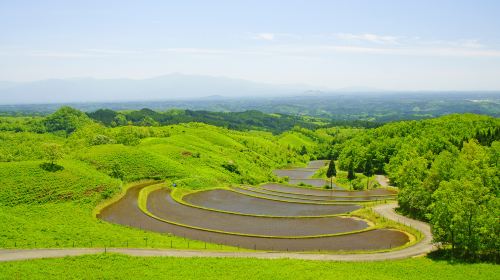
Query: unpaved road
x=386 y=210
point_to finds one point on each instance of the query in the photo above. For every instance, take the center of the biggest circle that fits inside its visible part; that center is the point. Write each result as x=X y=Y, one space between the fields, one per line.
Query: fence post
x=171 y=244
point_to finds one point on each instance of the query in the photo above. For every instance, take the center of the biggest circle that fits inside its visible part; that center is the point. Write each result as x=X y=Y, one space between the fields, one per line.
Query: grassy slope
x=27 y=183
x=54 y=209
x=113 y=266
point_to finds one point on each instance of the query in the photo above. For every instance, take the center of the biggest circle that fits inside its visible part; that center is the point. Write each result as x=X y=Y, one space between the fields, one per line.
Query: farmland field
x=148 y=187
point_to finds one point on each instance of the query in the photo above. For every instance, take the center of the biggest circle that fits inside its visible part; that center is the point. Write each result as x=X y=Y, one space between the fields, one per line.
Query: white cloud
x=372 y=38
x=265 y=36
x=61 y=54
x=438 y=51
x=305 y=47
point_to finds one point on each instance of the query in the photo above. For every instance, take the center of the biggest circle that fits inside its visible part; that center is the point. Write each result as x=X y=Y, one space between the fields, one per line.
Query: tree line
x=448 y=173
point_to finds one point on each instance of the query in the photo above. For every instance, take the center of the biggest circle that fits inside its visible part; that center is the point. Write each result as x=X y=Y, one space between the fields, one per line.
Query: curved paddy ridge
x=126 y=212
x=161 y=204
x=303 y=175
x=227 y=200
x=279 y=188
x=332 y=198
x=282 y=198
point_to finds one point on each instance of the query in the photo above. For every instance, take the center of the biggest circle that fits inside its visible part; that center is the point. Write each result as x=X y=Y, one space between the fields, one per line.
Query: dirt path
x=386 y=210
x=382 y=180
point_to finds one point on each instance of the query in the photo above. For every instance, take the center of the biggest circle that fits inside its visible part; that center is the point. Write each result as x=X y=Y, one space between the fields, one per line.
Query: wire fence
x=128 y=243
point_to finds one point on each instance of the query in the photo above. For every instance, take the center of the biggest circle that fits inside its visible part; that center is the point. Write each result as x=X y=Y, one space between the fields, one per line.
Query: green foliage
x=23 y=124
x=117 y=172
x=464 y=214
x=447 y=170
x=25 y=145
x=231 y=167
x=66 y=119
x=350 y=174
x=247 y=120
x=26 y=183
x=332 y=171
x=56 y=207
x=435 y=170
x=114 y=266
x=53 y=152
x=129 y=163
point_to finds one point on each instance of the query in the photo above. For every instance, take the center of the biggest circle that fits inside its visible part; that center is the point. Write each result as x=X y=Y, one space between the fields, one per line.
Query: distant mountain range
x=183 y=88
x=168 y=87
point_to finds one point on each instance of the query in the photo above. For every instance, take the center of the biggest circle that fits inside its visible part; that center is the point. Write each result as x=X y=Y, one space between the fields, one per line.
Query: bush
x=231 y=167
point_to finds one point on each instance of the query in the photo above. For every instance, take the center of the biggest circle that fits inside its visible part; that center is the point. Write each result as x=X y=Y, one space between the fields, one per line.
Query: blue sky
x=408 y=45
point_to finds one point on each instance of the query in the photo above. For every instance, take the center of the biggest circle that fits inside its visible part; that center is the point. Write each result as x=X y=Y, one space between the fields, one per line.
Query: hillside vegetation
x=55 y=170
x=247 y=120
x=52 y=180
x=448 y=173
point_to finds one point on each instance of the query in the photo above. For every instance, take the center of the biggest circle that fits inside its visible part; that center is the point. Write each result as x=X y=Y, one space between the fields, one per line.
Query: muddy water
x=161 y=204
x=320 y=183
x=126 y=212
x=297 y=176
x=315 y=192
x=231 y=201
x=317 y=163
x=331 y=198
x=296 y=173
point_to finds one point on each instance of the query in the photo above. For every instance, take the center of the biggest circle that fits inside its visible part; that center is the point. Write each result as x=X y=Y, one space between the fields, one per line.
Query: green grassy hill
x=28 y=183
x=54 y=207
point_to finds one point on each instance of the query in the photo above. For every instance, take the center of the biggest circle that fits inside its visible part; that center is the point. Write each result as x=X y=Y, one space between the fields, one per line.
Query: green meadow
x=113 y=266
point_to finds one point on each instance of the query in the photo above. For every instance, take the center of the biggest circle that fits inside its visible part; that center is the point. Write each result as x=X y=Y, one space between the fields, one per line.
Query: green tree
x=331 y=172
x=117 y=171
x=53 y=152
x=66 y=119
x=464 y=215
x=368 y=171
x=303 y=151
x=351 y=175
x=119 y=120
x=413 y=197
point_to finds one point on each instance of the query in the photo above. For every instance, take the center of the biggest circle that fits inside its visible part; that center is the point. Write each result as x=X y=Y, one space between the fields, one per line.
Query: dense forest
x=447 y=170
x=243 y=121
x=380 y=107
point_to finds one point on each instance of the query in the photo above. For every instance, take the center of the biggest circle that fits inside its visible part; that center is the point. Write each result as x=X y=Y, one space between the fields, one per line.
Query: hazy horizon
x=387 y=45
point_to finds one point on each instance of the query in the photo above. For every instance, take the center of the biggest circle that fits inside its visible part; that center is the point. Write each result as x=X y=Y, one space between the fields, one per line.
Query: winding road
x=387 y=210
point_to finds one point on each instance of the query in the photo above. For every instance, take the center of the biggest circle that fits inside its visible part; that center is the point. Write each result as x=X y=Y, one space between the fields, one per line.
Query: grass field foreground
x=114 y=266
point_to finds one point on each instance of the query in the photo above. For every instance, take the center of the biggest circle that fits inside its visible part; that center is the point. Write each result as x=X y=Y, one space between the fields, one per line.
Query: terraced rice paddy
x=268 y=217
x=278 y=188
x=297 y=176
x=332 y=198
x=163 y=206
x=227 y=200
